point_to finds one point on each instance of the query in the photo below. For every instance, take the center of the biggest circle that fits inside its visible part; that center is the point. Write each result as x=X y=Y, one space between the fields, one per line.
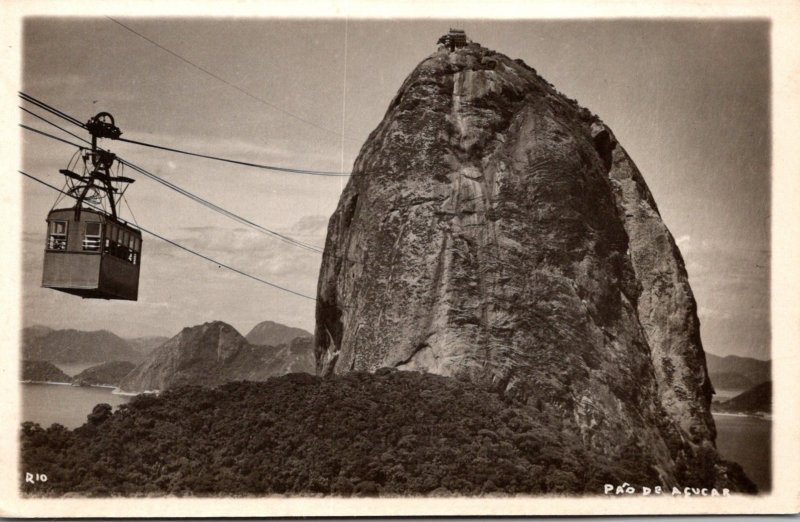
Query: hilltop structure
x=454 y=39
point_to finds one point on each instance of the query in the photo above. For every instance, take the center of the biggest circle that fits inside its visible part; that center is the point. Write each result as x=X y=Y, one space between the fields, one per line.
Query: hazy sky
x=688 y=100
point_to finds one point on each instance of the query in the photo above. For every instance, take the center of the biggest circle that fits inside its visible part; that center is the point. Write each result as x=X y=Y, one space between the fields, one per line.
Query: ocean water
x=748 y=441
x=66 y=405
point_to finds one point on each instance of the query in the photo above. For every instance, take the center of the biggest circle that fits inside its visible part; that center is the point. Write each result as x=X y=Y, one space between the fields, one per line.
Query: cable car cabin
x=97 y=257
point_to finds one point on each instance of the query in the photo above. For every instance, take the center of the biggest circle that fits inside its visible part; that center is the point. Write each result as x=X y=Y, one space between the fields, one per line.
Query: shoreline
x=117 y=391
x=114 y=389
x=47 y=382
x=759 y=415
x=107 y=386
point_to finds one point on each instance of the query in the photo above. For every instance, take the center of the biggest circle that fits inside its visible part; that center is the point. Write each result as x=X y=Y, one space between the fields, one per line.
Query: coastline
x=47 y=382
x=757 y=415
x=117 y=391
x=71 y=384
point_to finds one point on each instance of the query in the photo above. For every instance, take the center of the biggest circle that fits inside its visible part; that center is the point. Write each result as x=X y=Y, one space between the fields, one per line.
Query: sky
x=689 y=100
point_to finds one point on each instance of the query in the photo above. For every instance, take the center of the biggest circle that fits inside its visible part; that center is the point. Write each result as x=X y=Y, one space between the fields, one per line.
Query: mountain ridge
x=212 y=354
x=76 y=346
x=738 y=372
x=270 y=333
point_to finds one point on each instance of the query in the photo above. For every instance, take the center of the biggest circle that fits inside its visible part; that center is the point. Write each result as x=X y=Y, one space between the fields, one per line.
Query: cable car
x=91 y=252
x=96 y=257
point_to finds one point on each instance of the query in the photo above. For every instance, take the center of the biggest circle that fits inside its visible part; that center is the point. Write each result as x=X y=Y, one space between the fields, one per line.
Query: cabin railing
x=57 y=242
x=91 y=244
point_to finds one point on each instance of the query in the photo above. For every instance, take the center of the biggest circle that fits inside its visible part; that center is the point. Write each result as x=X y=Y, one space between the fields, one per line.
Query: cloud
x=311 y=225
x=245 y=249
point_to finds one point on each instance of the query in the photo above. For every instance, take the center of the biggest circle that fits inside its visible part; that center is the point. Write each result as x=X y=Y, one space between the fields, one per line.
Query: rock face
x=215 y=353
x=495 y=231
x=270 y=333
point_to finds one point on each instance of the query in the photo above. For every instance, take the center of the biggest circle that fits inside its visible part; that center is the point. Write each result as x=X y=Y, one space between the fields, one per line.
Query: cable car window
x=115 y=240
x=57 y=240
x=91 y=240
x=136 y=248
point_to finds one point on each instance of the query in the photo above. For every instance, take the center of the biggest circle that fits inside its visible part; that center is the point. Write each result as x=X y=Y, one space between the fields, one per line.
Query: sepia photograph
x=352 y=259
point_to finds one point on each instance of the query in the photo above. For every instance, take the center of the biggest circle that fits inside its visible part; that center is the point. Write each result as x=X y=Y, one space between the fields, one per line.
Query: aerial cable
x=66 y=180
x=226 y=82
x=219 y=209
x=196 y=198
x=37 y=131
x=205 y=203
x=239 y=162
x=130 y=210
x=62 y=129
x=178 y=245
x=52 y=110
x=344 y=91
x=49 y=108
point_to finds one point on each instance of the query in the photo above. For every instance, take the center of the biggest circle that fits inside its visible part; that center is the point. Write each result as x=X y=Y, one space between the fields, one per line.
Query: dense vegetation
x=106 y=374
x=389 y=433
x=43 y=371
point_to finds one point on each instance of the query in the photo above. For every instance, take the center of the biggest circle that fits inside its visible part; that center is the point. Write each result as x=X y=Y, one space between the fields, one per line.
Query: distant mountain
x=106 y=374
x=737 y=373
x=296 y=356
x=145 y=345
x=74 y=346
x=215 y=353
x=35 y=332
x=756 y=399
x=730 y=381
x=269 y=333
x=42 y=371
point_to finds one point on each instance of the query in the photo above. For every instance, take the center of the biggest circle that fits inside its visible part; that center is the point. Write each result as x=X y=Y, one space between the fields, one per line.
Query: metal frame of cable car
x=90 y=252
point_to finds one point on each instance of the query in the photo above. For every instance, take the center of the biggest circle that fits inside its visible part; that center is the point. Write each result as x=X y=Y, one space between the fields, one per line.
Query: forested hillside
x=389 y=433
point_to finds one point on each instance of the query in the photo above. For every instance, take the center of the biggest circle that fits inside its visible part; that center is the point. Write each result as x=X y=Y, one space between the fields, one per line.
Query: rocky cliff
x=493 y=230
x=215 y=353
